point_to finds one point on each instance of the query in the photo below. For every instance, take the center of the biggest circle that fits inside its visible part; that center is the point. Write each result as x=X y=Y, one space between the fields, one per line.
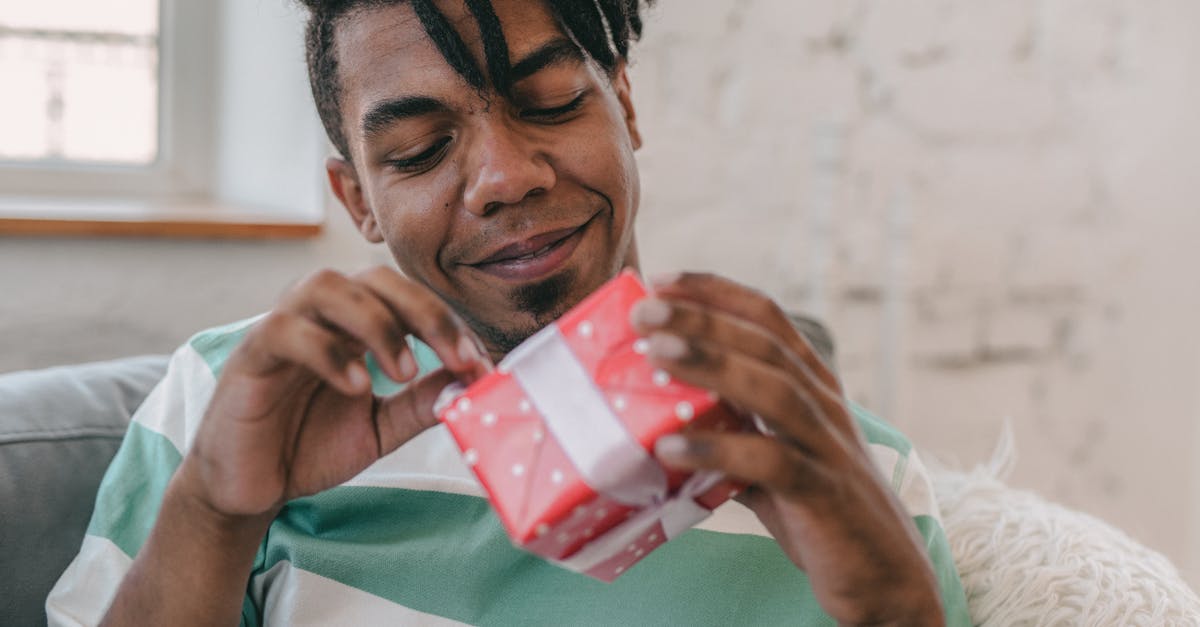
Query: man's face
x=512 y=211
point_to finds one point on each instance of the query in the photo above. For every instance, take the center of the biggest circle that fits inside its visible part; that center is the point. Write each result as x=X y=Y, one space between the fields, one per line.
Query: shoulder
x=878 y=431
x=214 y=345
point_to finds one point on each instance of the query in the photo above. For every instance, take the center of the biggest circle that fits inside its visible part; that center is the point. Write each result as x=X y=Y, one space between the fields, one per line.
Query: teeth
x=534 y=253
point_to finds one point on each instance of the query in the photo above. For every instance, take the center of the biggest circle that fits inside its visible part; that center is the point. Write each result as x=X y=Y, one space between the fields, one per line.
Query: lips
x=534 y=257
x=533 y=246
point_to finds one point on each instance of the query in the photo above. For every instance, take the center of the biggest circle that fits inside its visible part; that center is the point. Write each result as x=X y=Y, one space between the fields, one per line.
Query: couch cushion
x=59 y=428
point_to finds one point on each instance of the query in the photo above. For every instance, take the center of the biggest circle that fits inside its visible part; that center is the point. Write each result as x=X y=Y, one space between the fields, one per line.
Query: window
x=134 y=116
x=82 y=82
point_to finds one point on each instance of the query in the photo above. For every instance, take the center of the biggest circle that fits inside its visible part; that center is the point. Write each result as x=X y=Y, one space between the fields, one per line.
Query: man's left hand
x=813 y=483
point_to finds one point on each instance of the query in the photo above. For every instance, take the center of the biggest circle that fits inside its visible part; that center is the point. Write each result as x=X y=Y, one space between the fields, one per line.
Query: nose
x=506 y=170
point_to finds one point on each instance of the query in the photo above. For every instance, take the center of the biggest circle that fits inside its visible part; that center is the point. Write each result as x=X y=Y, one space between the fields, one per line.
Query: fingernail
x=467 y=350
x=651 y=311
x=667 y=346
x=358 y=376
x=664 y=278
x=407 y=364
x=487 y=359
x=671 y=447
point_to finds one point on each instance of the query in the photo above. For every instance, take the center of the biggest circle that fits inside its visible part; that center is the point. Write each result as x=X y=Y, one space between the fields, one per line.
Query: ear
x=625 y=97
x=344 y=182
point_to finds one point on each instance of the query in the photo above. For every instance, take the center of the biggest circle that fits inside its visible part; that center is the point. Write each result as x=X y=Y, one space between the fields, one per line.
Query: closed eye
x=554 y=114
x=423 y=160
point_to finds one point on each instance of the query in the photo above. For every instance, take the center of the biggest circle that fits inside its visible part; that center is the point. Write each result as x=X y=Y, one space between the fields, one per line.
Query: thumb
x=406 y=414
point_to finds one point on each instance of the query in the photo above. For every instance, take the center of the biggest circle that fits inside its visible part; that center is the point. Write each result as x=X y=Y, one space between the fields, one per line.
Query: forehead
x=384 y=51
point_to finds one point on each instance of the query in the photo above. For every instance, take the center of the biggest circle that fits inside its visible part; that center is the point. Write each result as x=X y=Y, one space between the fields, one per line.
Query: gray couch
x=59 y=428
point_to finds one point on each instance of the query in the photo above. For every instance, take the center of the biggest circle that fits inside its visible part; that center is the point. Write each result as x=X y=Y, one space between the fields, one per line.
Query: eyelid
x=551 y=112
x=422 y=158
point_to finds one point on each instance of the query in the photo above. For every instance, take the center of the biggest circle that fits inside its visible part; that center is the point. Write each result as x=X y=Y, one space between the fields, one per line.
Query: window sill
x=134 y=218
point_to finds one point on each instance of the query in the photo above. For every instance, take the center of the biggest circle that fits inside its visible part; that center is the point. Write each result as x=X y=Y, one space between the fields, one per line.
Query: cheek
x=604 y=166
x=414 y=225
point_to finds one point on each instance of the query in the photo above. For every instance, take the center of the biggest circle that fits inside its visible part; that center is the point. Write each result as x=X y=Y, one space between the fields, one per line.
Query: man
x=490 y=146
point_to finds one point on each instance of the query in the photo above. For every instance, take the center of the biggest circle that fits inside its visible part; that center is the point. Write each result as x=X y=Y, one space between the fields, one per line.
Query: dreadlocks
x=603 y=29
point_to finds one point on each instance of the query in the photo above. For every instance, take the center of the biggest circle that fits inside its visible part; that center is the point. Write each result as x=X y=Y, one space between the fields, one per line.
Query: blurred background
x=992 y=204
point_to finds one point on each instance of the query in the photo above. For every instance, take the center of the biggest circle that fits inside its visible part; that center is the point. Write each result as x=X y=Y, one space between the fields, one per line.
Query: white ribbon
x=676 y=515
x=576 y=412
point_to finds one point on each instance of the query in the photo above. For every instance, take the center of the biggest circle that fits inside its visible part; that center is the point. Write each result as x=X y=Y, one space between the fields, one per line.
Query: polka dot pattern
x=536 y=490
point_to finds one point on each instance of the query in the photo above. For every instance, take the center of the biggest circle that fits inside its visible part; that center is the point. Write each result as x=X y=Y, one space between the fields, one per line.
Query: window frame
x=184 y=192
x=181 y=168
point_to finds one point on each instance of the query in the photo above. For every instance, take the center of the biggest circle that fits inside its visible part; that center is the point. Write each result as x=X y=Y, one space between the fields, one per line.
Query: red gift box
x=561 y=436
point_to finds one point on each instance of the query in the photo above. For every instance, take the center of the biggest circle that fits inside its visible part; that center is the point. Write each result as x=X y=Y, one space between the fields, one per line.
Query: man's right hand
x=293 y=412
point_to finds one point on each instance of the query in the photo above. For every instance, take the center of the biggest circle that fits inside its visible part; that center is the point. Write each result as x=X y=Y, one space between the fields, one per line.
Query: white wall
x=992 y=203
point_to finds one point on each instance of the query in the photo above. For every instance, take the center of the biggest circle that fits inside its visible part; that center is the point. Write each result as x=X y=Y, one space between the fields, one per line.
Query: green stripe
x=131 y=494
x=877 y=431
x=250 y=612
x=898 y=473
x=954 y=598
x=132 y=490
x=216 y=344
x=447 y=555
x=427 y=361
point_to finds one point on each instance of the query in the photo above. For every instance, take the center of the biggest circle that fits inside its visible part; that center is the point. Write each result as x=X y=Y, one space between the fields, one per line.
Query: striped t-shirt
x=412 y=540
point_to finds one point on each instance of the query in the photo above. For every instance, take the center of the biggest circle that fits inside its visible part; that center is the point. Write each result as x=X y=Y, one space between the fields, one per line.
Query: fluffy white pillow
x=1024 y=561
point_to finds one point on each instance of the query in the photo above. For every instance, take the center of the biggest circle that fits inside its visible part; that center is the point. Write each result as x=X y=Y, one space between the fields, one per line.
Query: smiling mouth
x=537 y=253
x=534 y=258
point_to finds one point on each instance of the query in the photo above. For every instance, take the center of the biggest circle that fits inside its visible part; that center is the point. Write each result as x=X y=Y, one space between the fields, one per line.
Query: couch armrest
x=59 y=428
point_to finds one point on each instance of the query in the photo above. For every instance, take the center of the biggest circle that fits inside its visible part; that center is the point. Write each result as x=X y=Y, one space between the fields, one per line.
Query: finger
x=694 y=321
x=746 y=303
x=403 y=416
x=432 y=320
x=284 y=337
x=353 y=309
x=751 y=384
x=750 y=458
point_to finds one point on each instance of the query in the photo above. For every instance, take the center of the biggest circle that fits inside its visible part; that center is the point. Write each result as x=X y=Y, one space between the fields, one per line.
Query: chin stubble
x=545 y=301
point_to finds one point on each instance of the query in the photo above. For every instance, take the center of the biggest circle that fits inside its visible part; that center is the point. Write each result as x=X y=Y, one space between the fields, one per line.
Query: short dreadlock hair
x=603 y=29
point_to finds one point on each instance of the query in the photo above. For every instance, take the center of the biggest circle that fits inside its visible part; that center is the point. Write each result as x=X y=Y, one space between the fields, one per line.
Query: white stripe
x=298 y=597
x=183 y=393
x=916 y=489
x=886 y=460
x=733 y=517
x=430 y=461
x=915 y=494
x=913 y=487
x=198 y=391
x=610 y=460
x=85 y=590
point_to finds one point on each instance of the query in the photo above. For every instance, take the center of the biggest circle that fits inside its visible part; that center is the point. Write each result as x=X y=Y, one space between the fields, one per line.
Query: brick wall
x=991 y=203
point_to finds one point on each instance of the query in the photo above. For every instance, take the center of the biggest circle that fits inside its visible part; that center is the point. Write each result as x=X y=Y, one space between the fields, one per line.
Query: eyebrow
x=383 y=114
x=553 y=52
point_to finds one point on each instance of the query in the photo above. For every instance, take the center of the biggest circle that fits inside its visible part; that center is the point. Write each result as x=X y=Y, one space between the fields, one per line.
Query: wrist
x=915 y=603
x=928 y=612
x=925 y=615
x=218 y=549
x=187 y=499
x=919 y=608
